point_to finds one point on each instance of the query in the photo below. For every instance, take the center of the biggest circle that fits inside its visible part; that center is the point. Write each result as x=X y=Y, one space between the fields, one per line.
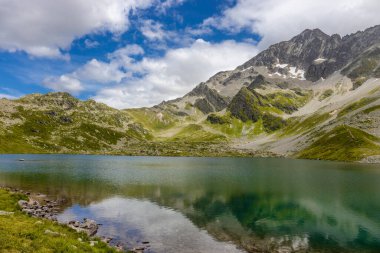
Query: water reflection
x=257 y=204
x=135 y=221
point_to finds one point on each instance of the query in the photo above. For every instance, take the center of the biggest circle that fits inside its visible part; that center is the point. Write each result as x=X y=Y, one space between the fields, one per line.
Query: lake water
x=212 y=204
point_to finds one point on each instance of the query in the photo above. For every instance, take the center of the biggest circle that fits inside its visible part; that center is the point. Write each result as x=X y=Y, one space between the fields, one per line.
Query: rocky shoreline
x=42 y=207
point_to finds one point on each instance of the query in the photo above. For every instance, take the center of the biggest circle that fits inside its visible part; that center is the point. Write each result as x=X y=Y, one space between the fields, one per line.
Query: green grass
x=150 y=120
x=272 y=123
x=216 y=119
x=24 y=234
x=357 y=105
x=16 y=144
x=236 y=128
x=301 y=125
x=371 y=109
x=343 y=143
x=288 y=102
x=196 y=133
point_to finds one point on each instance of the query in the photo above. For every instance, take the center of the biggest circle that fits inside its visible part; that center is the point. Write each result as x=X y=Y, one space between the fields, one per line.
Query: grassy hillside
x=267 y=119
x=343 y=143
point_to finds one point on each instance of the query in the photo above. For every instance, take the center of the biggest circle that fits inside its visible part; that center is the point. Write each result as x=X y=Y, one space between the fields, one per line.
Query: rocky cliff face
x=316 y=53
x=208 y=100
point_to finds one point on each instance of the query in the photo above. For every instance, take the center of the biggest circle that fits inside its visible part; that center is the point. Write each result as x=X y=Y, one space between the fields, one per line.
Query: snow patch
x=278 y=65
x=319 y=60
x=297 y=73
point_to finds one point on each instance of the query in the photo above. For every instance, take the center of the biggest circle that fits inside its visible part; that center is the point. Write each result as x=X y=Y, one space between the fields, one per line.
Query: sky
x=135 y=53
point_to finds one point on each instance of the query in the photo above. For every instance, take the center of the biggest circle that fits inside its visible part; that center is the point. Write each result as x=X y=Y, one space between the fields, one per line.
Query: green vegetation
x=343 y=143
x=58 y=123
x=249 y=105
x=21 y=233
x=301 y=125
x=151 y=119
x=196 y=133
x=246 y=105
x=272 y=123
x=326 y=94
x=357 y=105
x=288 y=102
x=371 y=109
x=235 y=128
x=216 y=119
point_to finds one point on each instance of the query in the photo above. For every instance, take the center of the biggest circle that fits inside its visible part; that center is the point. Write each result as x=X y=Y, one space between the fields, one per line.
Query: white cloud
x=167 y=4
x=123 y=82
x=153 y=30
x=100 y=72
x=174 y=74
x=64 y=83
x=43 y=27
x=96 y=72
x=278 y=20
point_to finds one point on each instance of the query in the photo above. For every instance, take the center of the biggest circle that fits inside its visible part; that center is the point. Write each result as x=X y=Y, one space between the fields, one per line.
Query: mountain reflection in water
x=213 y=204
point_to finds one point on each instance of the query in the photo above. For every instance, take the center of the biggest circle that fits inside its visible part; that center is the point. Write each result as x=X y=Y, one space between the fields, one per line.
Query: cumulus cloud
x=278 y=20
x=42 y=28
x=100 y=72
x=64 y=83
x=94 y=73
x=174 y=74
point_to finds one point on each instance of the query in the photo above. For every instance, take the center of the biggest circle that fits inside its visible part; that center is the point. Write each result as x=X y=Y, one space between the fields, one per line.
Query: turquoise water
x=212 y=204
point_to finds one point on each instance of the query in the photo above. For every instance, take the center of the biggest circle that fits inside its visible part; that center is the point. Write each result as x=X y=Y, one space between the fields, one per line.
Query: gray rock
x=90 y=227
x=211 y=101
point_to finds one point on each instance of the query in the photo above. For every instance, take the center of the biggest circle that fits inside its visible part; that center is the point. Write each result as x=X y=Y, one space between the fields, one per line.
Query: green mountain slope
x=315 y=96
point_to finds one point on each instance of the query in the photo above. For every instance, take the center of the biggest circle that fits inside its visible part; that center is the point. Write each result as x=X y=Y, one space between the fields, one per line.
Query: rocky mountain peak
x=312 y=34
x=314 y=52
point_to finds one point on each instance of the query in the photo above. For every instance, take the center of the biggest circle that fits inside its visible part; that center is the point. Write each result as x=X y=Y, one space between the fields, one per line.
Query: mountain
x=315 y=96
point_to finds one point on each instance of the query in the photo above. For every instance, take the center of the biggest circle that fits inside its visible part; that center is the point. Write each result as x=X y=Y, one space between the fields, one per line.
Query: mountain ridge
x=310 y=97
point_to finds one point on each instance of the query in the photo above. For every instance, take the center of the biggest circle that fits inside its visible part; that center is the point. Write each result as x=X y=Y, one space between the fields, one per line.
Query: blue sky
x=131 y=53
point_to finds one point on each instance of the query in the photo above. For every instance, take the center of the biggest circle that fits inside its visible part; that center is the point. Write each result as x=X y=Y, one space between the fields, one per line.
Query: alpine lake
x=187 y=204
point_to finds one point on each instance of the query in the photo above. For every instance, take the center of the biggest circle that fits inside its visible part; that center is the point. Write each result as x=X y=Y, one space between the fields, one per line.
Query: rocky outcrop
x=34 y=208
x=245 y=105
x=210 y=100
x=257 y=83
x=204 y=106
x=317 y=53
